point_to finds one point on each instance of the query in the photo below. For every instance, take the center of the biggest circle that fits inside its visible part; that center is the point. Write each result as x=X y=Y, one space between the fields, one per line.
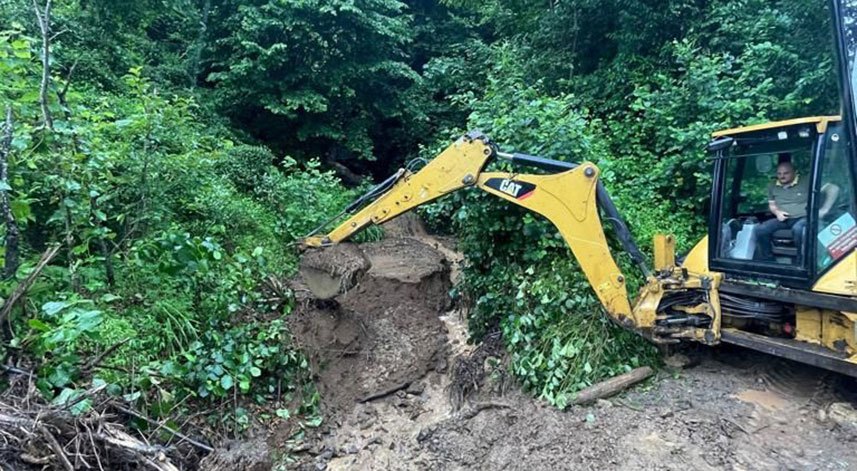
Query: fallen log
x=612 y=386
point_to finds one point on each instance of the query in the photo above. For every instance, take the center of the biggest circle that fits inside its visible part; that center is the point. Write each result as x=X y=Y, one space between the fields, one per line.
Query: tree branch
x=23 y=286
x=140 y=416
x=44 y=19
x=62 y=93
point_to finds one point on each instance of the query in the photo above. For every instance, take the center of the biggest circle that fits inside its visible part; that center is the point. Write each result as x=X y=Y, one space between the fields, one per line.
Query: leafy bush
x=255 y=357
x=246 y=166
x=519 y=272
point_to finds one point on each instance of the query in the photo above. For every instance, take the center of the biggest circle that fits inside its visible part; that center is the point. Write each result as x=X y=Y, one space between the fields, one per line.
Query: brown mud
x=384 y=333
x=384 y=354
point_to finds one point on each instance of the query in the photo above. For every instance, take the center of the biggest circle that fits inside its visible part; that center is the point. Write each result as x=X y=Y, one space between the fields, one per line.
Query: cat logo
x=510 y=187
x=516 y=189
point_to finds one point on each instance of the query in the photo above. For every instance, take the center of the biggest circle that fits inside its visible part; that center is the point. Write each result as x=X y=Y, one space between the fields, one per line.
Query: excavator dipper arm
x=569 y=199
x=456 y=167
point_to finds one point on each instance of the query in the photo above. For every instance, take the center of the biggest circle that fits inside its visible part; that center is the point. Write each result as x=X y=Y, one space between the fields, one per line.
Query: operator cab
x=746 y=239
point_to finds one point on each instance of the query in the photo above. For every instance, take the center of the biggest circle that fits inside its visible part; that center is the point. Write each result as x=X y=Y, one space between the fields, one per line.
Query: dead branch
x=91 y=364
x=165 y=427
x=475 y=409
x=20 y=422
x=30 y=429
x=613 y=385
x=25 y=285
x=55 y=446
x=384 y=392
x=17 y=371
x=86 y=395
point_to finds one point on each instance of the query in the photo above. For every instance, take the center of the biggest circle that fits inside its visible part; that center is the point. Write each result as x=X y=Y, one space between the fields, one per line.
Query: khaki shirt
x=791 y=198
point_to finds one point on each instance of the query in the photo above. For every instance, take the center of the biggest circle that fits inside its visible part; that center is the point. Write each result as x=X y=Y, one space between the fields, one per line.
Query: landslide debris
x=380 y=353
x=384 y=333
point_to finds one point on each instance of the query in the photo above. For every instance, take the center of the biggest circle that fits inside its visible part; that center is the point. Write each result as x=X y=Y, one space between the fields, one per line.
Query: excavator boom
x=570 y=199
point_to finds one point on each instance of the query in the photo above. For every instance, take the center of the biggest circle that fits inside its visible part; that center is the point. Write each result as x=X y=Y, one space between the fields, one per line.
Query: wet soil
x=382 y=334
x=385 y=352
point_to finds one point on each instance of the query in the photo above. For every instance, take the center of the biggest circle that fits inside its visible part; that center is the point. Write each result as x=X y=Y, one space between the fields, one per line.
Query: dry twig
x=138 y=415
x=25 y=285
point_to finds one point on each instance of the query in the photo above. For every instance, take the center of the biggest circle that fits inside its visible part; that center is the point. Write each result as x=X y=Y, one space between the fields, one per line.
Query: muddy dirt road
x=383 y=352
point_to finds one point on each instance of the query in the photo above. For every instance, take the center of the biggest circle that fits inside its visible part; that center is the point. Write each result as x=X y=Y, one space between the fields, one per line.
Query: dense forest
x=160 y=158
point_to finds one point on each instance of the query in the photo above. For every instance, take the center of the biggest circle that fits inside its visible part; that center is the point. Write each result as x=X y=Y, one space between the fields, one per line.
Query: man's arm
x=831 y=194
x=775 y=210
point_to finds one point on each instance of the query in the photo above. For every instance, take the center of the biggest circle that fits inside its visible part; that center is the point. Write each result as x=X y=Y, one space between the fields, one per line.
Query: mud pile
x=380 y=354
x=384 y=333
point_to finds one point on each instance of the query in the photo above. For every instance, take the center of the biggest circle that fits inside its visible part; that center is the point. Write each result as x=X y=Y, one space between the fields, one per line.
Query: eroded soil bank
x=383 y=354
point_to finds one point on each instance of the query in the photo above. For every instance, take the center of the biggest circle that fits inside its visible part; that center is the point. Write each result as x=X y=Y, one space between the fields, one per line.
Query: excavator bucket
x=331 y=271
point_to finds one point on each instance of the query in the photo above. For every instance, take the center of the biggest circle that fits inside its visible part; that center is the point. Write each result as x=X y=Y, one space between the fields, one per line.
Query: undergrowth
x=168 y=290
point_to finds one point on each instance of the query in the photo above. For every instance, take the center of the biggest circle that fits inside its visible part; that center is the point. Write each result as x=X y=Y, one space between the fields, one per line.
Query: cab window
x=837 y=230
x=749 y=230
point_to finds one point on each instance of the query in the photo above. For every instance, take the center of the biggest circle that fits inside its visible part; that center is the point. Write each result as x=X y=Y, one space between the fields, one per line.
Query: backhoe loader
x=800 y=302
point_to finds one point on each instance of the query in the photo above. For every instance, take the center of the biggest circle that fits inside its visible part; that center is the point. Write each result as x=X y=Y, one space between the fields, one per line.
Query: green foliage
x=325 y=70
x=170 y=224
x=252 y=358
x=170 y=232
x=56 y=335
x=245 y=166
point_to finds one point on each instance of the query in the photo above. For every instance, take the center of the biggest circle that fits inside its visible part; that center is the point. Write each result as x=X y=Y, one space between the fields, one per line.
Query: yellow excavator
x=798 y=301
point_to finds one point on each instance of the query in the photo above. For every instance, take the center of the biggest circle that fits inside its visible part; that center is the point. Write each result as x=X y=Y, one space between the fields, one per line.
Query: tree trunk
x=44 y=20
x=613 y=385
x=12 y=232
x=199 y=45
x=69 y=242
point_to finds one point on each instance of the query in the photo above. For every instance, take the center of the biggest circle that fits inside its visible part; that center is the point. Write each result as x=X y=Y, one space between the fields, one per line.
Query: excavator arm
x=570 y=199
x=456 y=167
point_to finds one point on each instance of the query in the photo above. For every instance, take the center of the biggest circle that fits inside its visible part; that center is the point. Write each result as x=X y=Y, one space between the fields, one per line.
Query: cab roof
x=820 y=122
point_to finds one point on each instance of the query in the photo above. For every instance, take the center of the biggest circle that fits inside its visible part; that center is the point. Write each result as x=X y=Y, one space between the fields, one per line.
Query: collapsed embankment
x=401 y=390
x=383 y=334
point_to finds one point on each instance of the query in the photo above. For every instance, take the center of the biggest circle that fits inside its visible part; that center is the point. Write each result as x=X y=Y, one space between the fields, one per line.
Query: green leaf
x=255 y=372
x=109 y=298
x=38 y=325
x=52 y=308
x=226 y=382
x=283 y=413
x=59 y=377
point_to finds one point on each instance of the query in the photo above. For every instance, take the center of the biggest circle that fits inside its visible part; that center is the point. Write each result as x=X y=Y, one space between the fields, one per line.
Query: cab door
x=835 y=230
x=835 y=214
